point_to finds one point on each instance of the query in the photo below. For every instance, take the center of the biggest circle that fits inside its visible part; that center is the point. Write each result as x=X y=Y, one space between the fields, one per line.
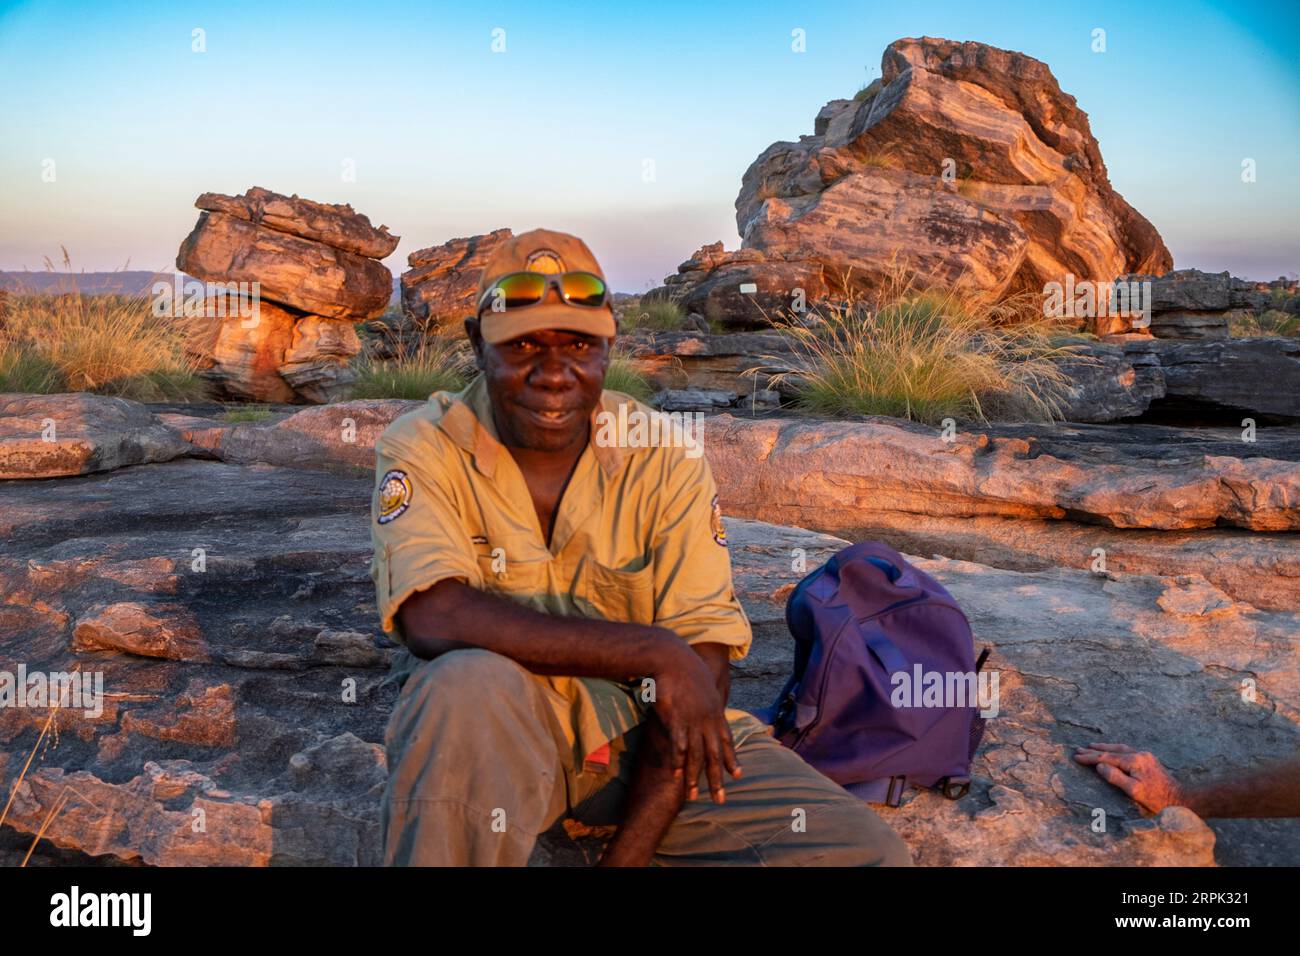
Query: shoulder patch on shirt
x=394 y=495
x=719 y=530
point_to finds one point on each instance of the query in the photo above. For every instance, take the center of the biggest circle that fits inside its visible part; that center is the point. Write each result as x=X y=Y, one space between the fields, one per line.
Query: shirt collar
x=467 y=421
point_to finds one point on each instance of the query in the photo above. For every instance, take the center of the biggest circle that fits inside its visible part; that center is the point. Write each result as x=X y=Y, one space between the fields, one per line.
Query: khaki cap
x=542 y=250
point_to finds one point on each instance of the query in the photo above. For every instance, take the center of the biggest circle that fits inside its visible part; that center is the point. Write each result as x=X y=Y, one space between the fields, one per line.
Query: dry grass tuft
x=927 y=354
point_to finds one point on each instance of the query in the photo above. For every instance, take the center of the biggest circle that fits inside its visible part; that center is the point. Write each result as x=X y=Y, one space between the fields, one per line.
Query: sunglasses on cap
x=518 y=290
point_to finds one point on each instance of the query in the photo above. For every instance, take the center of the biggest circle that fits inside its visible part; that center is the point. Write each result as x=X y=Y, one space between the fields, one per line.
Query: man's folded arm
x=451 y=615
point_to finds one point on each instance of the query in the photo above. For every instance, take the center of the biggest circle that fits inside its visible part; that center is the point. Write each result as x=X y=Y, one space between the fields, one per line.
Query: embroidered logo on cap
x=394 y=496
x=545 y=260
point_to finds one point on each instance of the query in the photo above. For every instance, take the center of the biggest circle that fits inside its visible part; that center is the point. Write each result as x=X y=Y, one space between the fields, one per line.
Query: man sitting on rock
x=568 y=608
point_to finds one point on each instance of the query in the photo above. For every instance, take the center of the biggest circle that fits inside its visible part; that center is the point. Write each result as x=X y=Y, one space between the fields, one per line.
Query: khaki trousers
x=478 y=768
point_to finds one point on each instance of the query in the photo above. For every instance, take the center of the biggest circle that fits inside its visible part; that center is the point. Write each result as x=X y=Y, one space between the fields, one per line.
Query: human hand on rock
x=1136 y=772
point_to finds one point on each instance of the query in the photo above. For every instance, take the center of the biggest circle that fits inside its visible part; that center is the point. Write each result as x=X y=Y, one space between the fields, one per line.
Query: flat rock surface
x=230 y=611
x=46 y=436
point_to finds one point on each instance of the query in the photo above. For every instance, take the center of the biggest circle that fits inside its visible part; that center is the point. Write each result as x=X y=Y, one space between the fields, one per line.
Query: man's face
x=543 y=385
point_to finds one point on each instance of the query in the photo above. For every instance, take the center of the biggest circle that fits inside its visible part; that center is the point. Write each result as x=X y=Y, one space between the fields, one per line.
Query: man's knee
x=464 y=682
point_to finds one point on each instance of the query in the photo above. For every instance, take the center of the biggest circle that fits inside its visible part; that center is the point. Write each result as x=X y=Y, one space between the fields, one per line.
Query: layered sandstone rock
x=292 y=271
x=336 y=226
x=742 y=289
x=823 y=473
x=241 y=357
x=965 y=165
x=1191 y=304
x=316 y=273
x=438 y=290
x=252 y=686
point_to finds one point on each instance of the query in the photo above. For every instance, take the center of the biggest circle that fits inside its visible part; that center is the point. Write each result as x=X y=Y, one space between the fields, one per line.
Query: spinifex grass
x=109 y=344
x=436 y=364
x=659 y=316
x=622 y=376
x=927 y=354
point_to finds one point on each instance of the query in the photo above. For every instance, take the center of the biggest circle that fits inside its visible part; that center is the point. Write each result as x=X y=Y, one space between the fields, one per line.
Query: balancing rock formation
x=318 y=274
x=438 y=290
x=964 y=164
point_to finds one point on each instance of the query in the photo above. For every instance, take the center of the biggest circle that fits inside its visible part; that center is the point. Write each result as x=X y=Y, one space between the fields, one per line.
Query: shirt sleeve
x=694 y=595
x=416 y=525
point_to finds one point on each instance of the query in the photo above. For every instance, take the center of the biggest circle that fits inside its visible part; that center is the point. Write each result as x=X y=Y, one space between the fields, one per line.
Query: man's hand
x=1137 y=772
x=692 y=710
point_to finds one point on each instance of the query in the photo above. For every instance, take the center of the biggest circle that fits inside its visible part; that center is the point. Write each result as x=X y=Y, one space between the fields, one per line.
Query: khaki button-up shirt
x=638 y=537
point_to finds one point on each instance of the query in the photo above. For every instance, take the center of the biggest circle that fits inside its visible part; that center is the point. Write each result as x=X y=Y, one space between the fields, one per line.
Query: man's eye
x=581 y=345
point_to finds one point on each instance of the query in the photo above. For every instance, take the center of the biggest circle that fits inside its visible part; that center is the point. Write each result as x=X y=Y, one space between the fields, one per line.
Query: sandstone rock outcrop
x=742 y=289
x=438 y=290
x=47 y=436
x=965 y=165
x=812 y=472
x=1127 y=376
x=240 y=708
x=336 y=226
x=1191 y=304
x=317 y=273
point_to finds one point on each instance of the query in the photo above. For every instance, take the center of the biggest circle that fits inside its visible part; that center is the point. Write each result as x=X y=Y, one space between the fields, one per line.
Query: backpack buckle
x=894 y=796
x=954 y=789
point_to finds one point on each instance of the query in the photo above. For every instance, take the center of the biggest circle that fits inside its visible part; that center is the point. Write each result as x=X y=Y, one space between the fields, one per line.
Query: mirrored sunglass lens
x=522 y=289
x=584 y=288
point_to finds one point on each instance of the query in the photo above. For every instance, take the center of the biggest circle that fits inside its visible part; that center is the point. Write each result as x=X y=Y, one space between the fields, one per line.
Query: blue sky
x=449 y=139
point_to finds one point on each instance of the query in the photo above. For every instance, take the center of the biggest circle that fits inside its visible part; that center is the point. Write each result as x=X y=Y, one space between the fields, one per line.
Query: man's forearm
x=655 y=796
x=1267 y=792
x=452 y=615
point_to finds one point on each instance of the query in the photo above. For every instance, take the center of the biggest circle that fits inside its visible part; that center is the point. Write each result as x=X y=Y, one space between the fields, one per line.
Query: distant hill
x=88 y=283
x=135 y=282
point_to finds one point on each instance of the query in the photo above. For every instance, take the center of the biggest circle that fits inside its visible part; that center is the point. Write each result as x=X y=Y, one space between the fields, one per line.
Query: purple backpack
x=864 y=705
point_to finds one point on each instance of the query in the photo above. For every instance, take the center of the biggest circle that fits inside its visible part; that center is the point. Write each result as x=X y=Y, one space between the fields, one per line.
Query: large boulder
x=334 y=225
x=1191 y=304
x=1259 y=376
x=47 y=436
x=965 y=165
x=292 y=271
x=1127 y=376
x=281 y=355
x=438 y=290
x=314 y=257
x=316 y=363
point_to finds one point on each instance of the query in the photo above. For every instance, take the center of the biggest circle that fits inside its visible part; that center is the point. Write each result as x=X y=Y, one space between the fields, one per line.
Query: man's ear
x=475 y=339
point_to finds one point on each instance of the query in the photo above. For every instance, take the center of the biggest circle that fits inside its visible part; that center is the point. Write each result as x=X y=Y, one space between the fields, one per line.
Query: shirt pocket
x=524 y=581
x=627 y=596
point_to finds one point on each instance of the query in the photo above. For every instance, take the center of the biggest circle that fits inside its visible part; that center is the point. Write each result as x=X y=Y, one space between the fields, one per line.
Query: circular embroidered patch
x=394 y=495
x=719 y=530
